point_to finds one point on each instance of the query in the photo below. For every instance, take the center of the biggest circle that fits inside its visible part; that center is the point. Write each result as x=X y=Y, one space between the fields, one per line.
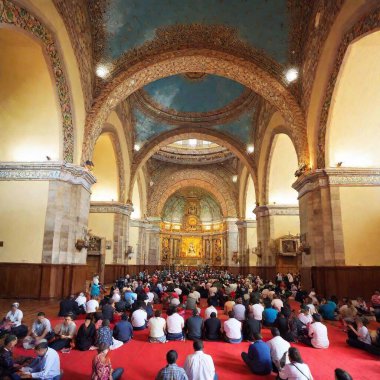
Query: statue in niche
x=191 y=250
x=165 y=249
x=192 y=210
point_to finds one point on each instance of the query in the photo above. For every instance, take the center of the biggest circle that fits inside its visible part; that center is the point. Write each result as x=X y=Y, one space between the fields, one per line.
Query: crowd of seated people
x=111 y=319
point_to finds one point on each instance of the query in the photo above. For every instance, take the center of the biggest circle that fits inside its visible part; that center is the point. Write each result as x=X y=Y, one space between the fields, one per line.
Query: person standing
x=200 y=366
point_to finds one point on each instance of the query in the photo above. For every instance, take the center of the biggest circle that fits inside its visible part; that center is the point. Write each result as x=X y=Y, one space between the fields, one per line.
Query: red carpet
x=142 y=360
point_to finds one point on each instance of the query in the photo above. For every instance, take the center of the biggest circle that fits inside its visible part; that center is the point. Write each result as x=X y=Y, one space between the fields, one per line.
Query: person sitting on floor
x=327 y=309
x=210 y=309
x=269 y=315
x=12 y=323
x=317 y=334
x=278 y=350
x=347 y=313
x=157 y=328
x=256 y=310
x=212 y=328
x=296 y=369
x=102 y=366
x=86 y=336
x=305 y=318
x=81 y=303
x=361 y=332
x=193 y=326
x=123 y=330
x=251 y=326
x=232 y=329
x=46 y=366
x=108 y=310
x=228 y=305
x=41 y=329
x=171 y=371
x=65 y=333
x=139 y=317
x=104 y=336
x=9 y=366
x=92 y=305
x=68 y=306
x=239 y=310
x=175 y=324
x=258 y=358
x=200 y=365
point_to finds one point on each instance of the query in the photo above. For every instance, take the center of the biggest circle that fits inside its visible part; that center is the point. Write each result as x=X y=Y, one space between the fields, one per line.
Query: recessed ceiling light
x=102 y=71
x=137 y=147
x=234 y=178
x=291 y=75
x=250 y=148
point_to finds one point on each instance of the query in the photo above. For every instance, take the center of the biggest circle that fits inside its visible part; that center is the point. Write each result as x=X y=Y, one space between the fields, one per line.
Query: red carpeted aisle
x=142 y=360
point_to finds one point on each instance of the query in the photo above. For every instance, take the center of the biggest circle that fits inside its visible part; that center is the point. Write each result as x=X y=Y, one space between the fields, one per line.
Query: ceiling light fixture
x=193 y=142
x=250 y=149
x=291 y=75
x=137 y=147
x=102 y=71
x=234 y=178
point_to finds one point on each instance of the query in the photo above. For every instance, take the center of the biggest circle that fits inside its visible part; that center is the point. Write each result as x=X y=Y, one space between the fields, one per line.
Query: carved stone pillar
x=121 y=214
x=243 y=254
x=271 y=224
x=232 y=250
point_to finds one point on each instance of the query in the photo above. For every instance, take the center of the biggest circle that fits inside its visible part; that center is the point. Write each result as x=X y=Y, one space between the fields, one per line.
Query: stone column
x=232 y=241
x=269 y=229
x=122 y=213
x=153 y=241
x=243 y=255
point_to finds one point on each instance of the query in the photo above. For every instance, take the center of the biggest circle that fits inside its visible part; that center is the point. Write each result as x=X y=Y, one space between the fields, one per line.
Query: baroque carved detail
x=364 y=26
x=12 y=14
x=47 y=171
x=111 y=208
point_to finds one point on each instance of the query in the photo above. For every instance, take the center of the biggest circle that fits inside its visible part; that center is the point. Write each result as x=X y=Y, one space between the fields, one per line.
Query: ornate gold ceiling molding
x=193 y=159
x=231 y=111
x=214 y=62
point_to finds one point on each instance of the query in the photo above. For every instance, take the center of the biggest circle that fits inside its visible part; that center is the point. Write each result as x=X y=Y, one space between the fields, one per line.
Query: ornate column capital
x=47 y=171
x=110 y=207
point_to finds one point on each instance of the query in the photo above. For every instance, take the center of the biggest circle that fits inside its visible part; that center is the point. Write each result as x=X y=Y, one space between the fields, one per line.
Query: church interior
x=177 y=135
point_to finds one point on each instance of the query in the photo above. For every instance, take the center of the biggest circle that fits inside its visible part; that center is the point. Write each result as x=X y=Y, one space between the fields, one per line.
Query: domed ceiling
x=174 y=209
x=264 y=24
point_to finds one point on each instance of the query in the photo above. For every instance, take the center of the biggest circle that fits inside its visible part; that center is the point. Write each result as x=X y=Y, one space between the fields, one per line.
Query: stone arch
x=209 y=61
x=275 y=127
x=243 y=182
x=12 y=15
x=162 y=193
x=185 y=133
x=355 y=19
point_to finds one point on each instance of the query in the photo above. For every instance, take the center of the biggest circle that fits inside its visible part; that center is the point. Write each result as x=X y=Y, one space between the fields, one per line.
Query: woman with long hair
x=296 y=369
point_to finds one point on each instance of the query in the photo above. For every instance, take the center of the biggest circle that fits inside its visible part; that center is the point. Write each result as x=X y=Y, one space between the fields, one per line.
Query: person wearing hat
x=12 y=322
x=45 y=367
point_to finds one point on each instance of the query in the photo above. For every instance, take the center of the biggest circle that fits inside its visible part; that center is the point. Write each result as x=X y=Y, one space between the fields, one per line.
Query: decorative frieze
x=336 y=177
x=47 y=171
x=110 y=207
x=275 y=210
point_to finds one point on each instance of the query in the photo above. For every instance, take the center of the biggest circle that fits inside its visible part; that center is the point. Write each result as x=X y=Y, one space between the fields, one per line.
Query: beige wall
x=283 y=164
x=136 y=201
x=23 y=210
x=30 y=117
x=353 y=127
x=360 y=209
x=250 y=202
x=133 y=241
x=252 y=243
x=105 y=171
x=285 y=224
x=102 y=225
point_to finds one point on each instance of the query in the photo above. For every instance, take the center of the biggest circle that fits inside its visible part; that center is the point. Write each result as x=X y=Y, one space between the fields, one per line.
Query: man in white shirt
x=92 y=305
x=305 y=316
x=199 y=366
x=239 y=310
x=157 y=326
x=277 y=303
x=210 y=309
x=195 y=294
x=47 y=364
x=257 y=311
x=175 y=324
x=278 y=347
x=81 y=302
x=317 y=334
x=139 y=318
x=232 y=329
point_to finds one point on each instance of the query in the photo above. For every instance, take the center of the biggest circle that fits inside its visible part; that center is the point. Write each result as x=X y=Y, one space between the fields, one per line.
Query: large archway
x=201 y=60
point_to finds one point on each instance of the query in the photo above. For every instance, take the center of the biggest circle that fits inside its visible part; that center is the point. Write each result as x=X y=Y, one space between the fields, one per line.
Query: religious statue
x=191 y=250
